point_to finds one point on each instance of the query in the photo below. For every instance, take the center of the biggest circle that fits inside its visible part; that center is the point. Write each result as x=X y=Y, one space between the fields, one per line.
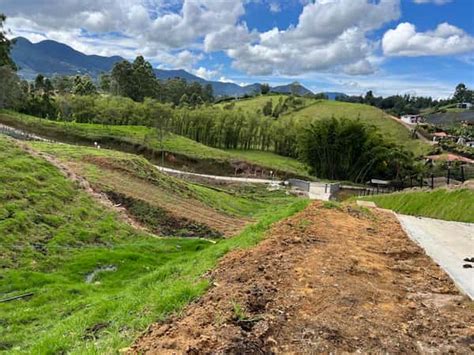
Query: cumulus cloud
x=197 y=18
x=329 y=34
x=446 y=39
x=206 y=73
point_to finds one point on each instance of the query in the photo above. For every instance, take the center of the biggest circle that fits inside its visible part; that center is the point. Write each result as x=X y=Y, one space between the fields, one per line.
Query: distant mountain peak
x=51 y=58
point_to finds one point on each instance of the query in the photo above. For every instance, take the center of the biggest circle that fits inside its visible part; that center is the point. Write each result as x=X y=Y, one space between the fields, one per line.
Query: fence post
x=462 y=174
x=421 y=181
x=432 y=181
x=449 y=175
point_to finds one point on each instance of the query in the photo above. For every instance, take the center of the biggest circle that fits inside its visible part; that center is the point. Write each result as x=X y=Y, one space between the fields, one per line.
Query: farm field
x=96 y=282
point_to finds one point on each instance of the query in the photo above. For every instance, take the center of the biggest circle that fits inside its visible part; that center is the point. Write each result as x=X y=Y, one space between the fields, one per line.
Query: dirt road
x=218 y=177
x=410 y=128
x=325 y=280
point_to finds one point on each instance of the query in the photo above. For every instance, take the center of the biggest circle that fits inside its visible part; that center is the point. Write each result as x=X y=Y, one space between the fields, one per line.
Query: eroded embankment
x=329 y=279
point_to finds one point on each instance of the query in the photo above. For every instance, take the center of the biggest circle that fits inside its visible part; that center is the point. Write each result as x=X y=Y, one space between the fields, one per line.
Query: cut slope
x=300 y=291
x=450 y=205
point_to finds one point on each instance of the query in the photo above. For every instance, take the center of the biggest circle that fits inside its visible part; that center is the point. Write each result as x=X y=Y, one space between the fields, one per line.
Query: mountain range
x=54 y=58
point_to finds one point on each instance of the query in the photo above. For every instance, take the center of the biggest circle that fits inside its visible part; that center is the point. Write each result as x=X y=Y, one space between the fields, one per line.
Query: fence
x=19 y=134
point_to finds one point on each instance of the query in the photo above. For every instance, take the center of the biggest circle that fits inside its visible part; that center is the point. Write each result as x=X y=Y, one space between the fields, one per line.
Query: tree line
x=399 y=105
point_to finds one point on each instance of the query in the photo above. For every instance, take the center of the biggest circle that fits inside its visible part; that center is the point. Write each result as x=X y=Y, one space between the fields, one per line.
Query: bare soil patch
x=326 y=280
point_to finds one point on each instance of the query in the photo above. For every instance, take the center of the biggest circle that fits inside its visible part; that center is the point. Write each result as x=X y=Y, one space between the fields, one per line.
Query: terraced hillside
x=179 y=151
x=77 y=277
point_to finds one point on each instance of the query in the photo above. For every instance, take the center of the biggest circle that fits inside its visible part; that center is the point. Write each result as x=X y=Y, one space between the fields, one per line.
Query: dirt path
x=218 y=177
x=325 y=280
x=410 y=128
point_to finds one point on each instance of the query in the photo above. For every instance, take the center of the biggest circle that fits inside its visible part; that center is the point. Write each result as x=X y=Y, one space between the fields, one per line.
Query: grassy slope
x=451 y=205
x=256 y=103
x=367 y=114
x=274 y=160
x=53 y=235
x=149 y=137
x=235 y=205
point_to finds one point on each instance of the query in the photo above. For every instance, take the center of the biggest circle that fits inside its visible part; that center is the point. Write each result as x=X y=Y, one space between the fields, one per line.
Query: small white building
x=470 y=144
x=412 y=119
x=464 y=105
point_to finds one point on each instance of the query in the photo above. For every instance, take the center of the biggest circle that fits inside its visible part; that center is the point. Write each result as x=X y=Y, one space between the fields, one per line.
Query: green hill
x=311 y=109
x=365 y=113
x=256 y=104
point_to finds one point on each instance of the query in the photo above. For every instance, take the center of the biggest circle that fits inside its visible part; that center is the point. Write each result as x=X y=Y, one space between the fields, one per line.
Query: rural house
x=412 y=119
x=464 y=105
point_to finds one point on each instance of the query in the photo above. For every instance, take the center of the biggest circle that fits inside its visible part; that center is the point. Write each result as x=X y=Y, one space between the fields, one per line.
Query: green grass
x=142 y=136
x=53 y=235
x=257 y=103
x=367 y=114
x=274 y=160
x=235 y=204
x=450 y=205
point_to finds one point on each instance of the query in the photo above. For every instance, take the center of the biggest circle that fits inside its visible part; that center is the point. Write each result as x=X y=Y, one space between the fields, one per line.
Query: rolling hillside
x=312 y=109
x=367 y=114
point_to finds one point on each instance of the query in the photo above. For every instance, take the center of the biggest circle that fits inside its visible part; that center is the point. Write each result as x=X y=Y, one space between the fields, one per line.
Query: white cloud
x=329 y=34
x=446 y=39
x=436 y=2
x=206 y=73
x=198 y=18
x=128 y=27
x=274 y=7
x=228 y=37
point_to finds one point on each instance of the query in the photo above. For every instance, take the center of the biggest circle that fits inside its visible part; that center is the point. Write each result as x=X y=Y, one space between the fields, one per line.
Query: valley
x=240 y=177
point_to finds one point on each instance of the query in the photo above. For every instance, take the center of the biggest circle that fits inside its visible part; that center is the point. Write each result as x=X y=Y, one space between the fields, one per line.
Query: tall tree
x=264 y=89
x=143 y=78
x=461 y=93
x=5 y=46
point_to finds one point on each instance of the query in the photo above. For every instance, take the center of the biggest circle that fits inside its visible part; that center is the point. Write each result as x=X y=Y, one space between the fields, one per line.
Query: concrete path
x=221 y=178
x=448 y=243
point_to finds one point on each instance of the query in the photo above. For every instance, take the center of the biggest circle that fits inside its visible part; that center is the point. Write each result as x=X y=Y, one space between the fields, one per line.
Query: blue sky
x=422 y=47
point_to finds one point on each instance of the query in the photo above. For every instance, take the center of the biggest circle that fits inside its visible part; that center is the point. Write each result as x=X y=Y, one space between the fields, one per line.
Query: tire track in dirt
x=325 y=280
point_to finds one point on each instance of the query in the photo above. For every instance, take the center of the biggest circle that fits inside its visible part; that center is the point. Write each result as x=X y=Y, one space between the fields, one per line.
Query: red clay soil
x=326 y=280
